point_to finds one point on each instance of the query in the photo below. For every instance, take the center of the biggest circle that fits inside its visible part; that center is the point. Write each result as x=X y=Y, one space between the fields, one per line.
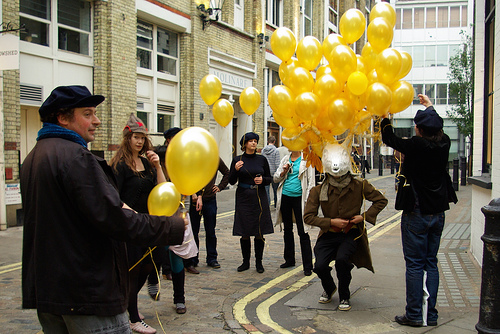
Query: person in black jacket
x=75 y=268
x=424 y=193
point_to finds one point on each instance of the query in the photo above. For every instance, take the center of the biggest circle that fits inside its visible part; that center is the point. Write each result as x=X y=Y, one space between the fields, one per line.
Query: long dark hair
x=124 y=152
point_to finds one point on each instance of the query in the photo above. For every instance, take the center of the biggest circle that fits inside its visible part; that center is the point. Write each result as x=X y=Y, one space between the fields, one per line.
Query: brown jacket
x=347 y=204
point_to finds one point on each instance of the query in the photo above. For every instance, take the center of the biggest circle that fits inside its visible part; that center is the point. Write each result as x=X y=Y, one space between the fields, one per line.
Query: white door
x=30 y=124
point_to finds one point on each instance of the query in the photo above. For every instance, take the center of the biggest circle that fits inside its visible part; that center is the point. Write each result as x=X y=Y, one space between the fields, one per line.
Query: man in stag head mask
x=342 y=235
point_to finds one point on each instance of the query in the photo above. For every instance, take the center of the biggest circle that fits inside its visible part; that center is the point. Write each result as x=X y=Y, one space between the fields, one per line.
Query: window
x=454 y=16
x=418 y=20
x=418 y=56
x=442 y=17
x=307 y=17
x=398 y=18
x=464 y=16
x=489 y=63
x=430 y=55
x=333 y=16
x=407 y=19
x=430 y=18
x=274 y=13
x=418 y=89
x=441 y=93
x=430 y=91
x=72 y=20
x=166 y=54
x=442 y=55
x=452 y=98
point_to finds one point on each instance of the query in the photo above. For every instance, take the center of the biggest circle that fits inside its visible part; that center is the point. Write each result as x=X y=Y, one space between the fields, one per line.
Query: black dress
x=252 y=215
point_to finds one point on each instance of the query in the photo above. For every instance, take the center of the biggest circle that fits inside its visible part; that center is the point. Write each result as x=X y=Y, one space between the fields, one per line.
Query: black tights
x=137 y=278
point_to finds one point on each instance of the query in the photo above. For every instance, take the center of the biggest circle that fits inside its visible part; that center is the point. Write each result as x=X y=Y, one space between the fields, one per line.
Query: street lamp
x=209 y=11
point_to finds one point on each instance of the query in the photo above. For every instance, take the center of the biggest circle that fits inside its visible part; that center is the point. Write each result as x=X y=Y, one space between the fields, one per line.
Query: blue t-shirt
x=292 y=186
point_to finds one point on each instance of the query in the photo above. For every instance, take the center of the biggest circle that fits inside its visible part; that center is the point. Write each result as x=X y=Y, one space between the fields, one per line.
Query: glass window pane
x=442 y=55
x=430 y=55
x=143 y=116
x=418 y=56
x=164 y=122
x=398 y=18
x=74 y=41
x=430 y=18
x=38 y=8
x=144 y=58
x=417 y=89
x=464 y=16
x=167 y=65
x=308 y=8
x=454 y=49
x=145 y=35
x=307 y=27
x=34 y=32
x=74 y=13
x=454 y=16
x=407 y=19
x=442 y=92
x=453 y=98
x=167 y=42
x=430 y=91
x=442 y=17
x=418 y=18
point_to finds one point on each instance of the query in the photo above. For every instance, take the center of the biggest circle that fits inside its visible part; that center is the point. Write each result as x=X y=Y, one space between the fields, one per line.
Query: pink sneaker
x=142 y=327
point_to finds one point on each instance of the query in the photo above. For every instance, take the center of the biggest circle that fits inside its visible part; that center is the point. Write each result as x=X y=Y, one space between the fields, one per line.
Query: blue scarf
x=51 y=130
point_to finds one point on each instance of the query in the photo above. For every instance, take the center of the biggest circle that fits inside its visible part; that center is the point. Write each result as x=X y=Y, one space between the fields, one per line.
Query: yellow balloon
x=388 y=65
x=358 y=101
x=343 y=62
x=223 y=112
x=300 y=81
x=281 y=100
x=192 y=159
x=283 y=43
x=372 y=77
x=378 y=99
x=384 y=10
x=307 y=106
x=360 y=64
x=323 y=121
x=341 y=113
x=285 y=68
x=352 y=25
x=357 y=83
x=369 y=56
x=379 y=34
x=330 y=42
x=363 y=121
x=210 y=88
x=406 y=63
x=283 y=121
x=309 y=52
x=326 y=88
x=402 y=96
x=250 y=100
x=290 y=138
x=164 y=199
x=322 y=70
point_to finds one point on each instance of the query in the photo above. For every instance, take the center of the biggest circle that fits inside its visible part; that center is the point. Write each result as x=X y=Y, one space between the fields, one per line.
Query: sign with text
x=12 y=194
x=9 y=52
x=231 y=79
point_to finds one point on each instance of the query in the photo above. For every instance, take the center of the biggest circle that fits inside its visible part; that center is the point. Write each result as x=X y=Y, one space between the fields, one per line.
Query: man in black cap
x=424 y=193
x=75 y=270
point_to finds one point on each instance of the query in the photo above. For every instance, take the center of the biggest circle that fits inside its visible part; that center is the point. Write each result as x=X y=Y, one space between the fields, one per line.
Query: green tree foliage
x=461 y=87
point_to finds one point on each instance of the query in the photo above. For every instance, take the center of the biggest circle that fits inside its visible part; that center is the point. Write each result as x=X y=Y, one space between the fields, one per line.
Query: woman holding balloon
x=136 y=176
x=252 y=215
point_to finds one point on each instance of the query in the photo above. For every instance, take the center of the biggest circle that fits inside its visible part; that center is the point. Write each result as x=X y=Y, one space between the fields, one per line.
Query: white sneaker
x=142 y=327
x=325 y=298
x=344 y=305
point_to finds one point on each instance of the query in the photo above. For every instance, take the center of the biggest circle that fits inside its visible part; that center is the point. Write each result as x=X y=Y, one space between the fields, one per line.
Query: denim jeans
x=84 y=324
x=421 y=235
x=209 y=213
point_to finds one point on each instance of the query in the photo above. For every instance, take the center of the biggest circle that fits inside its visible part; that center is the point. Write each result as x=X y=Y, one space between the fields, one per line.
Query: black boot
x=245 y=251
x=259 y=251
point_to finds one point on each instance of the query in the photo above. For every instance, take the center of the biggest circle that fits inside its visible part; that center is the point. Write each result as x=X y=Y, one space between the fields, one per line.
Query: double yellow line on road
x=263 y=308
x=10 y=267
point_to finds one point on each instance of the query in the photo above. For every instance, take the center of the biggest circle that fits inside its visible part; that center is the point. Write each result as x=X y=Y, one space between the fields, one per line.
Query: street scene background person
x=343 y=235
x=252 y=216
x=137 y=170
x=273 y=158
x=295 y=181
x=75 y=268
x=424 y=193
x=204 y=204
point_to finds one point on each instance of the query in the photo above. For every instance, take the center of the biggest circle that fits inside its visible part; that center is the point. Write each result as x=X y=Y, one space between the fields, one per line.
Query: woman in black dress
x=252 y=215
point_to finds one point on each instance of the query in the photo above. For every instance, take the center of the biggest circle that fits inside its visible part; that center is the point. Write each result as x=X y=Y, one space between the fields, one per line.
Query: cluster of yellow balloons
x=348 y=91
x=210 y=91
x=192 y=159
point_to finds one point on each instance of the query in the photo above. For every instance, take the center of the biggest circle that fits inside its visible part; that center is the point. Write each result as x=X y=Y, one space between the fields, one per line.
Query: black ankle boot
x=245 y=245
x=259 y=251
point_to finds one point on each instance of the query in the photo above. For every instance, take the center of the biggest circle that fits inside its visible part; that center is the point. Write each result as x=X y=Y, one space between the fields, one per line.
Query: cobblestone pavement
x=211 y=295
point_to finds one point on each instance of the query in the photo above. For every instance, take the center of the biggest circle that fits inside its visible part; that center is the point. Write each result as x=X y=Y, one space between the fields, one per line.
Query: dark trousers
x=339 y=247
x=209 y=213
x=291 y=206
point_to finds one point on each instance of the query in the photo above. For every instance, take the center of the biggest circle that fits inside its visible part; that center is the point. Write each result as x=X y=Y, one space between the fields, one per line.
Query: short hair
x=51 y=117
x=271 y=140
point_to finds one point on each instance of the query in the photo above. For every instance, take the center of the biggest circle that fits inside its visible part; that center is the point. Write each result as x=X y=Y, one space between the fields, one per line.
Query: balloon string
x=143 y=257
